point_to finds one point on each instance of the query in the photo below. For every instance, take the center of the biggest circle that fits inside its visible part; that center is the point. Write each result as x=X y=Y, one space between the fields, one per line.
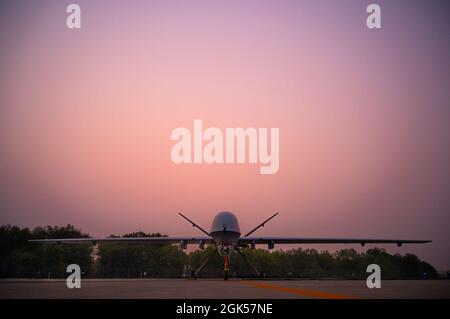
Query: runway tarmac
x=216 y=288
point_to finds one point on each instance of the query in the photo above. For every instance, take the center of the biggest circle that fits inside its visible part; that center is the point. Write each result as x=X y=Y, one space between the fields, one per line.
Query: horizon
x=283 y=247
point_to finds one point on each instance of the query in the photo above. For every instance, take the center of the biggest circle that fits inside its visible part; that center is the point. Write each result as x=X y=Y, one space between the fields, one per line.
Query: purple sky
x=86 y=116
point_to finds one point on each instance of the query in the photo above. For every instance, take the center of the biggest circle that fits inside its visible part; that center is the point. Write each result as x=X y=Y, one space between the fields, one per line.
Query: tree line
x=21 y=259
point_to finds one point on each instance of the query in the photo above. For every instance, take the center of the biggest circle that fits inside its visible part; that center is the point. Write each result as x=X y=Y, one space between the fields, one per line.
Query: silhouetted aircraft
x=225 y=235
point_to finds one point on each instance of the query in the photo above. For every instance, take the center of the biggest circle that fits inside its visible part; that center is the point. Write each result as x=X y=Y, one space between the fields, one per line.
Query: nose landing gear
x=226 y=268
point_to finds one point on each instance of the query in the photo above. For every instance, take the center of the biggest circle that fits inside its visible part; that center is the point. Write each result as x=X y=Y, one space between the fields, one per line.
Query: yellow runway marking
x=297 y=291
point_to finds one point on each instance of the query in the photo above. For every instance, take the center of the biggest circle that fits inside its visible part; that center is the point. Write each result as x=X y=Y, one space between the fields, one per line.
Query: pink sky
x=86 y=117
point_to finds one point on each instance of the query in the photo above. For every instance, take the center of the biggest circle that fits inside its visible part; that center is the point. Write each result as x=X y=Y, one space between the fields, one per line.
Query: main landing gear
x=226 y=265
x=203 y=265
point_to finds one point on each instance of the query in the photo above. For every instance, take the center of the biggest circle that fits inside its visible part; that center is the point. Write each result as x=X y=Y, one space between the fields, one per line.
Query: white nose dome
x=225 y=221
